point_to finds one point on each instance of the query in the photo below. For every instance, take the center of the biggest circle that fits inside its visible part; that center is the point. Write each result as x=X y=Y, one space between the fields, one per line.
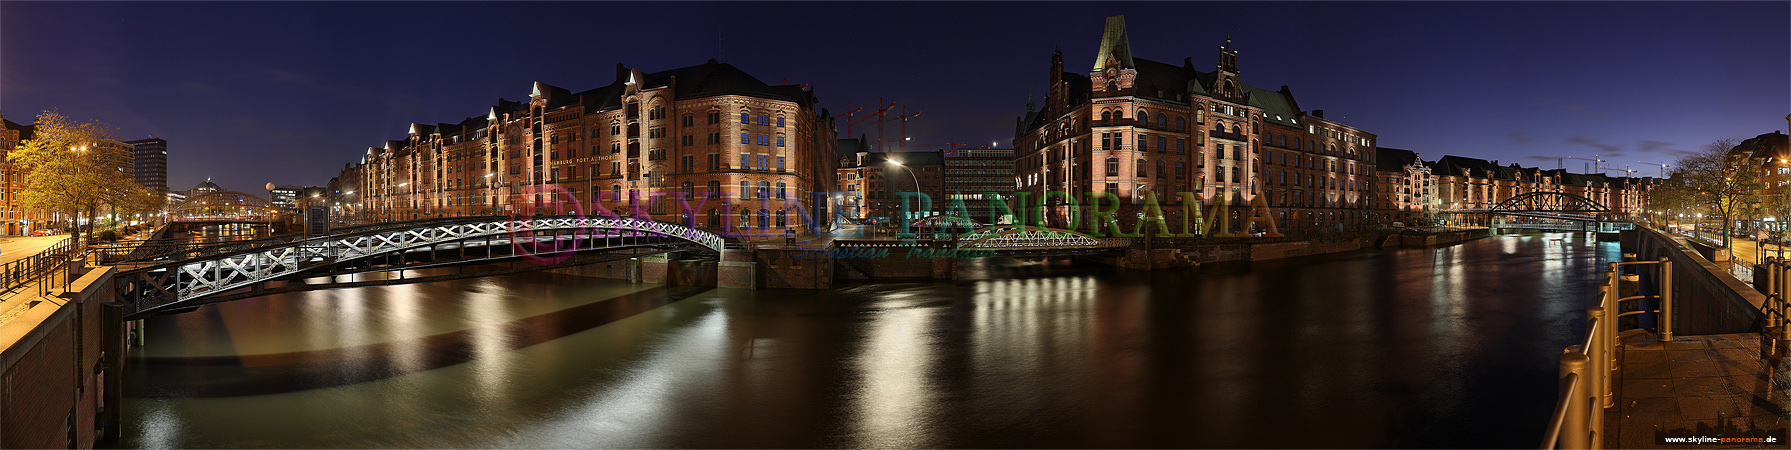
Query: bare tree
x=1722 y=184
x=1670 y=198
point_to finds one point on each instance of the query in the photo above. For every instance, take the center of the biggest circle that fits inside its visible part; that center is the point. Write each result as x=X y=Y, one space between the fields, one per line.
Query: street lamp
x=911 y=174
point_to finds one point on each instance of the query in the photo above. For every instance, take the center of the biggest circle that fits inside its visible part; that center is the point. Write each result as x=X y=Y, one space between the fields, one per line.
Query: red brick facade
x=1136 y=128
x=705 y=131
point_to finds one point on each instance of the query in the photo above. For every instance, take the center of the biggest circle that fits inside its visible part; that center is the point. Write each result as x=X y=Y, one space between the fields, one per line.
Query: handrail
x=1776 y=309
x=22 y=271
x=1585 y=374
x=1553 y=435
x=146 y=251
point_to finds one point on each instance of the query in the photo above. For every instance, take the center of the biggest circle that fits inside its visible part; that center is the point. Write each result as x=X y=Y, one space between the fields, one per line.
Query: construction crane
x=1594 y=160
x=848 y=116
x=881 y=116
x=903 y=140
x=878 y=114
x=1663 y=168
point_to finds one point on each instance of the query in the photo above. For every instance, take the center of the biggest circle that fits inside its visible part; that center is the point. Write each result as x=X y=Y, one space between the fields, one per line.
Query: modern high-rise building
x=1132 y=127
x=150 y=159
x=706 y=131
x=971 y=174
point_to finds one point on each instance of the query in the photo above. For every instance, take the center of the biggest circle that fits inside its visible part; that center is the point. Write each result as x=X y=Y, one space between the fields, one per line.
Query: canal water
x=1445 y=347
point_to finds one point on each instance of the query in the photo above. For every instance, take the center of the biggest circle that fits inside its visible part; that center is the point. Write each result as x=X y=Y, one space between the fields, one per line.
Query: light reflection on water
x=1442 y=347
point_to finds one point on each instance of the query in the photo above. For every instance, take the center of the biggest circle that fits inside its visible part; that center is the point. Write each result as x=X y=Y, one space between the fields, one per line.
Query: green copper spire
x=1115 y=47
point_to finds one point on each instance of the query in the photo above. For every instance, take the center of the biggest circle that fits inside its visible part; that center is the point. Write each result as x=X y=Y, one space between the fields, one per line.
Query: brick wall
x=39 y=394
x=50 y=357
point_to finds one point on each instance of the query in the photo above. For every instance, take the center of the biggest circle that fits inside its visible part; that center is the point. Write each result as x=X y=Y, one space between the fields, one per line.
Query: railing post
x=1599 y=362
x=1575 y=431
x=1772 y=292
x=1666 y=300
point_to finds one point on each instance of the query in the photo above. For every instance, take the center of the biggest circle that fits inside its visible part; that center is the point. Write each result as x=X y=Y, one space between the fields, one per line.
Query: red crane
x=881 y=116
x=904 y=118
x=848 y=116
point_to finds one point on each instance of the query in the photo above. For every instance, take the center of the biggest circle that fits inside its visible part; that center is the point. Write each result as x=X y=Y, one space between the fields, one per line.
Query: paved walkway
x=13 y=248
x=1715 y=385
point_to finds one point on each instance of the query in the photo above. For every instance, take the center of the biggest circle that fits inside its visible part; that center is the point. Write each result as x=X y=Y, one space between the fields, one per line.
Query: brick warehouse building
x=12 y=181
x=707 y=131
x=1134 y=126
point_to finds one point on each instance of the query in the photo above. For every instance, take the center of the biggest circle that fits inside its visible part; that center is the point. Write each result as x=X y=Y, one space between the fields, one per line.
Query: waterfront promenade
x=1711 y=385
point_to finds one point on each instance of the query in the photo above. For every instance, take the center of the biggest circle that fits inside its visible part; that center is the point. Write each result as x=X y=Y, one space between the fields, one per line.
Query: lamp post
x=911 y=175
x=76 y=217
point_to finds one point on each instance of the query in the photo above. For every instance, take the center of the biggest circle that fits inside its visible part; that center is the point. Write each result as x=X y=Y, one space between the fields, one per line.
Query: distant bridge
x=1007 y=240
x=1555 y=209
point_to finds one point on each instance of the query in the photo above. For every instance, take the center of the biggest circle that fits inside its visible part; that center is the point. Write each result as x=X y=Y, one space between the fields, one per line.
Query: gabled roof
x=1774 y=145
x=25 y=131
x=1393 y=159
x=703 y=80
x=1160 y=81
x=1279 y=108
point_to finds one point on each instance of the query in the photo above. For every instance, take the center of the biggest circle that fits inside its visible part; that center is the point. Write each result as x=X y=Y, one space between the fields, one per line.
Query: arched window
x=714 y=189
x=1181 y=123
x=782 y=219
x=1143 y=117
x=1161 y=173
x=745 y=189
x=1113 y=167
x=1106 y=116
x=764 y=218
x=615 y=193
x=1141 y=171
x=764 y=189
x=689 y=190
x=1181 y=170
x=780 y=190
x=714 y=218
x=1162 y=121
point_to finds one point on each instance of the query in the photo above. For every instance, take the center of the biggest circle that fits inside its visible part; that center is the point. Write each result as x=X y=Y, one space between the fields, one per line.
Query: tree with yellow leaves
x=71 y=166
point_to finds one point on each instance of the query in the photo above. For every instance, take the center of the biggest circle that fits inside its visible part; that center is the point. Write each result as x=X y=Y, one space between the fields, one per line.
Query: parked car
x=42 y=233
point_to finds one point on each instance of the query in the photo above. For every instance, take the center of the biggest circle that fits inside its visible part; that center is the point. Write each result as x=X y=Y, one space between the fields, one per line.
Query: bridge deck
x=1697 y=385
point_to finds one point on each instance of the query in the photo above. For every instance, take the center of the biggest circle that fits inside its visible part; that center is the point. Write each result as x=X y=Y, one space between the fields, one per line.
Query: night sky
x=250 y=93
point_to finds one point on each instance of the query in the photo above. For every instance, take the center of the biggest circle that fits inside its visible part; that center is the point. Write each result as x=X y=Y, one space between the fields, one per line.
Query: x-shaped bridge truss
x=168 y=285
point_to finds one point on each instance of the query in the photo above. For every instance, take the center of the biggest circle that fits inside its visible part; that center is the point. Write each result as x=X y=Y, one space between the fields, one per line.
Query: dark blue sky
x=250 y=93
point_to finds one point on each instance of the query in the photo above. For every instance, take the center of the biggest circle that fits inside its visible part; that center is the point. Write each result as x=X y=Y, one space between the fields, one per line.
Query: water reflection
x=1444 y=347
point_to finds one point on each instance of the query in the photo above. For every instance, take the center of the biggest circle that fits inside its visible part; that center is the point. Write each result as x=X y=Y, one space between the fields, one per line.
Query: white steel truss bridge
x=540 y=243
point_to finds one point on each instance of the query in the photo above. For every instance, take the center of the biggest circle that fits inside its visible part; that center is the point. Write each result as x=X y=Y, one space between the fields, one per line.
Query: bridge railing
x=45 y=265
x=1585 y=374
x=108 y=254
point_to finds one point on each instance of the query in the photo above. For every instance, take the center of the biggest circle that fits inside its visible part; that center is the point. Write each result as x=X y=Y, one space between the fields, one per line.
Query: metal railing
x=45 y=265
x=176 y=249
x=1777 y=308
x=1585 y=383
